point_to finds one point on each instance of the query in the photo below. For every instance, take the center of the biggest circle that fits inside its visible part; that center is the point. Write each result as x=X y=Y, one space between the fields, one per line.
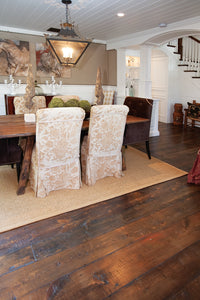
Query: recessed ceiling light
x=120 y=14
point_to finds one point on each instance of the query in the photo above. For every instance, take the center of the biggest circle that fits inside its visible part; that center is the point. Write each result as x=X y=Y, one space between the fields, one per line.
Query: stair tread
x=190 y=70
x=191 y=65
x=171 y=46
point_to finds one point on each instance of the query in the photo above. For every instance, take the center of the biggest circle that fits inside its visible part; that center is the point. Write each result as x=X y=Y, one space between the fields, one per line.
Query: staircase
x=188 y=49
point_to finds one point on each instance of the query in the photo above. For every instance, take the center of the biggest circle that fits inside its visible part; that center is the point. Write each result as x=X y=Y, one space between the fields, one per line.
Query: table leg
x=123 y=158
x=30 y=140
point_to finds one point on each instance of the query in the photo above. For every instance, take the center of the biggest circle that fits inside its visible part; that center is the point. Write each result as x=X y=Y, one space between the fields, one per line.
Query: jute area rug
x=16 y=210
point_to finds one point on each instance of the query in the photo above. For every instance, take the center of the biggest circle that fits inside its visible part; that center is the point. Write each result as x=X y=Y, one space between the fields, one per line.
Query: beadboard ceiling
x=96 y=19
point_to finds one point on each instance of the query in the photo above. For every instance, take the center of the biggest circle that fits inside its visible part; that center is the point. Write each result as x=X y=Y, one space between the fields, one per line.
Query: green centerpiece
x=84 y=104
x=56 y=102
x=72 y=103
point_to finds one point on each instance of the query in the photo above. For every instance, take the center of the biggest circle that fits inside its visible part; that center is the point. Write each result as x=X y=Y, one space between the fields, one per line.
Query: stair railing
x=188 y=49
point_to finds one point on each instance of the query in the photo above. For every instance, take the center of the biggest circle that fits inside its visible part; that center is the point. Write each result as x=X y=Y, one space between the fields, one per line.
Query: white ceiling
x=96 y=19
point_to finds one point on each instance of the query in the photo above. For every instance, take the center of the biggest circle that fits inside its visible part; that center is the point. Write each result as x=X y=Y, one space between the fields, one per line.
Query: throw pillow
x=193 y=110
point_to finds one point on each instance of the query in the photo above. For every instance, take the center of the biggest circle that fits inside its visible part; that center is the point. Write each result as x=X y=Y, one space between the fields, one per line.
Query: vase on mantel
x=38 y=89
x=131 y=91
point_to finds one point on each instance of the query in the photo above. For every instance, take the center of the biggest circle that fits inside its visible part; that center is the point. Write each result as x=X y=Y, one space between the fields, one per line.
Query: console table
x=10 y=109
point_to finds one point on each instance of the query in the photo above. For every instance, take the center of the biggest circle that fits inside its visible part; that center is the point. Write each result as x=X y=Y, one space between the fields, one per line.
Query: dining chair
x=109 y=97
x=55 y=161
x=20 y=107
x=139 y=131
x=11 y=154
x=101 y=154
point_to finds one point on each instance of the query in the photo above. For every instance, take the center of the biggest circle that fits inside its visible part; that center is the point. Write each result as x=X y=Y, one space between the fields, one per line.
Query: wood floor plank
x=120 y=264
x=140 y=226
x=190 y=291
x=105 y=216
x=97 y=227
x=107 y=275
x=16 y=260
x=166 y=279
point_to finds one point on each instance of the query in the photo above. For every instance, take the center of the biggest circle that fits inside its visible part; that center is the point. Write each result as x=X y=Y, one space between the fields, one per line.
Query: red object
x=194 y=174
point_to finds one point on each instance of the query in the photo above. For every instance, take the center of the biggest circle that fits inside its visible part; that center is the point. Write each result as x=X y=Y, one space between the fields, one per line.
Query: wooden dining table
x=12 y=126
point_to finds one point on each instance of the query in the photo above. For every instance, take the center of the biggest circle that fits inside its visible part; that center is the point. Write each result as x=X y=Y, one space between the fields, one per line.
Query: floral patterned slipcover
x=101 y=150
x=20 y=108
x=55 y=162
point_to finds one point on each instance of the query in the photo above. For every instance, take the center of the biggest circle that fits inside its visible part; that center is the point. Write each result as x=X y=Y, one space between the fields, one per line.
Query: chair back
x=58 y=134
x=108 y=97
x=139 y=131
x=139 y=107
x=55 y=162
x=106 y=129
x=20 y=107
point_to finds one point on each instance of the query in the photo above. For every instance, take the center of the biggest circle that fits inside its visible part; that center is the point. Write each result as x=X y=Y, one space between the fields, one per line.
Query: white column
x=145 y=84
x=154 y=119
x=121 y=75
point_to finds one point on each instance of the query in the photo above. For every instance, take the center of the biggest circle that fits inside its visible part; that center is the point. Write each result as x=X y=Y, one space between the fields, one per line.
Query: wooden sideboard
x=10 y=109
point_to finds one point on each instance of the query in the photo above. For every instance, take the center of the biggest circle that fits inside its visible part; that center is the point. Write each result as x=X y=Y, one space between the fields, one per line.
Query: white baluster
x=184 y=46
x=193 y=56
x=186 y=51
x=189 y=54
x=198 y=58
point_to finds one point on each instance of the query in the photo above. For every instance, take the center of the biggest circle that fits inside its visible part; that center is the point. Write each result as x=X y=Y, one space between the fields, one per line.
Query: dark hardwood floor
x=142 y=245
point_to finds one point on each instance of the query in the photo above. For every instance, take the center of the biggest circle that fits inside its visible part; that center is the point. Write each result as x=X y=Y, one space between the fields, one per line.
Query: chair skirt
x=98 y=167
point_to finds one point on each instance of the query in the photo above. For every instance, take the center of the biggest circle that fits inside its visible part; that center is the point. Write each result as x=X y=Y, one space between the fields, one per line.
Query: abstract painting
x=14 y=57
x=47 y=64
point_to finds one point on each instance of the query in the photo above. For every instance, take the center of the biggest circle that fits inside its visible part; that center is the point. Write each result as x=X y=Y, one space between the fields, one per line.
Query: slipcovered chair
x=55 y=162
x=108 y=97
x=20 y=108
x=101 y=150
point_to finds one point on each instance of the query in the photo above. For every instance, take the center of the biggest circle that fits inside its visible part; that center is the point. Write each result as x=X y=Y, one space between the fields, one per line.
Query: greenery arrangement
x=85 y=105
x=72 y=103
x=57 y=102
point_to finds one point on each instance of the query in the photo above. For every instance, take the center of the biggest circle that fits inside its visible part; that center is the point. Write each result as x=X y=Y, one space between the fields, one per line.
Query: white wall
x=182 y=88
x=159 y=77
x=170 y=83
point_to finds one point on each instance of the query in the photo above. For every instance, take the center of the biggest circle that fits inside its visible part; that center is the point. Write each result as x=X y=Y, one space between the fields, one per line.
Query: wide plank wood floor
x=142 y=245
